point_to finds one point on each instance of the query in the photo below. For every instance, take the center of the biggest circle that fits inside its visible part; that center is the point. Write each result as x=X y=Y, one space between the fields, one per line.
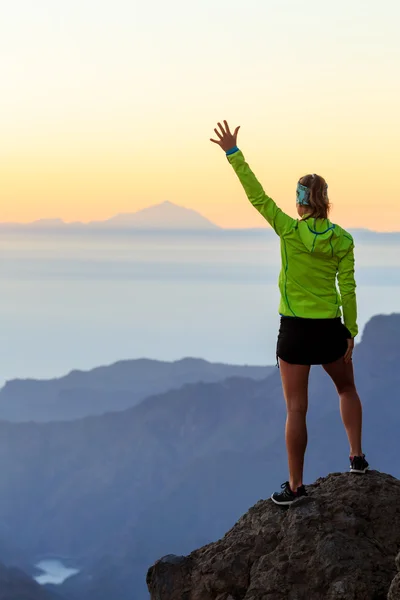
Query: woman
x=314 y=252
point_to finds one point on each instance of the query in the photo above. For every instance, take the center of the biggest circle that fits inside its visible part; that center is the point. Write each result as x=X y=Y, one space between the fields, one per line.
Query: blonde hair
x=318 y=199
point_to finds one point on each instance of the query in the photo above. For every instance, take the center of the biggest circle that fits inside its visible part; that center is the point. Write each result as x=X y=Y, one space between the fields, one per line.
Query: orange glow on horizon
x=108 y=107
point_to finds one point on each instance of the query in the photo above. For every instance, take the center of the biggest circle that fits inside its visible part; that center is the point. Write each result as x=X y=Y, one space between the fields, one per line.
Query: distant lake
x=54 y=571
x=79 y=300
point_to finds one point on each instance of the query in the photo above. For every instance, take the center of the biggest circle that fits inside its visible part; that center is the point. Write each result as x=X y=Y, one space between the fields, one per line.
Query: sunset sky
x=108 y=106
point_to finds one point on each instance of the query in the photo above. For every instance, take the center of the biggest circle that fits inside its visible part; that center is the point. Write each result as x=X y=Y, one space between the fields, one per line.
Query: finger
x=221 y=128
x=215 y=141
x=236 y=132
x=227 y=127
x=218 y=134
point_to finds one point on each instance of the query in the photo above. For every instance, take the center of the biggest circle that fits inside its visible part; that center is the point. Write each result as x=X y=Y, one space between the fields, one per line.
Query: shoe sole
x=287 y=503
x=361 y=471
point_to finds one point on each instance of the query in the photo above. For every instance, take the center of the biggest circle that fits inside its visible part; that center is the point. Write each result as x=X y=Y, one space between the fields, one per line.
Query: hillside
x=15 y=585
x=110 y=388
x=175 y=472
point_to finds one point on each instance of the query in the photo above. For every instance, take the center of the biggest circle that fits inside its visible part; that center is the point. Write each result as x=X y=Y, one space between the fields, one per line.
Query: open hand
x=349 y=352
x=226 y=140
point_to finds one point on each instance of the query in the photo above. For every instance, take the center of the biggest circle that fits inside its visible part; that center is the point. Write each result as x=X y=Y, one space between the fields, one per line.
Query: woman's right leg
x=342 y=375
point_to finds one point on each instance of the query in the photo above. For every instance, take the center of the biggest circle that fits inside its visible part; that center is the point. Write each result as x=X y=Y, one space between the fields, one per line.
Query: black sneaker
x=358 y=464
x=287 y=496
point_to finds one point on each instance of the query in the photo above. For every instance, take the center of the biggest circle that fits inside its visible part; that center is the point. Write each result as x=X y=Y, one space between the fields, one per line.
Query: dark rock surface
x=339 y=543
x=394 y=592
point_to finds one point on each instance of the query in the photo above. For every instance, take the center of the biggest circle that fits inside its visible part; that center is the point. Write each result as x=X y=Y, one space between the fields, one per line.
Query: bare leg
x=350 y=404
x=295 y=390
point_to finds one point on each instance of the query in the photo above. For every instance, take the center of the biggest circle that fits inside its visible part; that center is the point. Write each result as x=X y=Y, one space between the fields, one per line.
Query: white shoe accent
x=359 y=470
x=287 y=503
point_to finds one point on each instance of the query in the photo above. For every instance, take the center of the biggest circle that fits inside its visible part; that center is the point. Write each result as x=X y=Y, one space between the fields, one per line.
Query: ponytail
x=318 y=199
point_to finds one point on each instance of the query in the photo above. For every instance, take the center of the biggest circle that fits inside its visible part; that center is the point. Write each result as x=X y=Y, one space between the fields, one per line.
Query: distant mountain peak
x=49 y=222
x=165 y=215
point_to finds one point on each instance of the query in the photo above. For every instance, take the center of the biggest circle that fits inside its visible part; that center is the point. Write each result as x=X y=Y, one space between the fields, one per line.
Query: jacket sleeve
x=347 y=287
x=279 y=221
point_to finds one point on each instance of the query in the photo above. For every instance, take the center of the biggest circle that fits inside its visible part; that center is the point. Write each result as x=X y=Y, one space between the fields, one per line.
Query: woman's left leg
x=295 y=389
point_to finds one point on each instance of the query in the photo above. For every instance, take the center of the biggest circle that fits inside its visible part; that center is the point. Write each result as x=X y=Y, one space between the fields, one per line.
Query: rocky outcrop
x=394 y=592
x=338 y=543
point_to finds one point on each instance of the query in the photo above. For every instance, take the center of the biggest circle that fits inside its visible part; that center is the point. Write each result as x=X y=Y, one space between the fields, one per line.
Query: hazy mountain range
x=167 y=217
x=111 y=388
x=115 y=492
x=164 y=216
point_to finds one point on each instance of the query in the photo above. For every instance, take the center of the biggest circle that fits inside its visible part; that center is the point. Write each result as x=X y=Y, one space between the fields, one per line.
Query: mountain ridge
x=176 y=471
x=109 y=388
x=163 y=216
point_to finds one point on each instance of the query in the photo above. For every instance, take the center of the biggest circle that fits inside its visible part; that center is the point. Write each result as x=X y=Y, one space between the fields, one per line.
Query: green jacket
x=314 y=252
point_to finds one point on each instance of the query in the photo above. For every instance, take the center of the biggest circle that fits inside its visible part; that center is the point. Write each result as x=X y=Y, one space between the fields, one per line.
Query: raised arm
x=279 y=221
x=347 y=287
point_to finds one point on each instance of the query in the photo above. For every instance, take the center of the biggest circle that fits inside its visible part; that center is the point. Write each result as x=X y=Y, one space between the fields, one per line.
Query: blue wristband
x=232 y=150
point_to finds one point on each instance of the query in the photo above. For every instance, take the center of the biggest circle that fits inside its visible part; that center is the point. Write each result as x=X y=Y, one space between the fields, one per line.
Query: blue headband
x=302 y=195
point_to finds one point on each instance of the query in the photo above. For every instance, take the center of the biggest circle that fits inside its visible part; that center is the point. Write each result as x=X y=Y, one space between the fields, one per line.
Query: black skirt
x=311 y=341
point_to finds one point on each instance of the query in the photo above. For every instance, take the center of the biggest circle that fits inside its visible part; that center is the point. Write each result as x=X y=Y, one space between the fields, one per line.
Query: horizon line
x=60 y=224
x=208 y=225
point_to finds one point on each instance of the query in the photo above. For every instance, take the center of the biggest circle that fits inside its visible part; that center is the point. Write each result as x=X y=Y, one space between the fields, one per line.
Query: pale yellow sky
x=108 y=107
